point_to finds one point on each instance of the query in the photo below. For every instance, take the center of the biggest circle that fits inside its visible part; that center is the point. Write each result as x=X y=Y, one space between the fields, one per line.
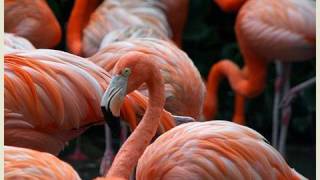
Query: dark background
x=208 y=37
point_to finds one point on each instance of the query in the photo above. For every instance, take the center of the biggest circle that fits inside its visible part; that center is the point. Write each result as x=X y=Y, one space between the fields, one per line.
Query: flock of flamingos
x=125 y=62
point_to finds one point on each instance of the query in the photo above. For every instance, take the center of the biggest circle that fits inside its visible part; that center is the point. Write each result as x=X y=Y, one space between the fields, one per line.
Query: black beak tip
x=107 y=115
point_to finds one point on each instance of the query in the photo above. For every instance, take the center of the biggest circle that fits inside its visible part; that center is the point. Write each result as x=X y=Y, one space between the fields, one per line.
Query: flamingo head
x=129 y=74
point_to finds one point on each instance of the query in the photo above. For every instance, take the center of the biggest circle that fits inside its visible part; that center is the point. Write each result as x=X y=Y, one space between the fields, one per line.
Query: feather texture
x=286 y=28
x=184 y=89
x=52 y=97
x=22 y=163
x=13 y=42
x=116 y=14
x=32 y=20
x=212 y=150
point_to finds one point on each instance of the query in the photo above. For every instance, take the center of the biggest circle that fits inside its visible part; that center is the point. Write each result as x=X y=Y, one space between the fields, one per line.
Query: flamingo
x=53 y=96
x=195 y=150
x=134 y=32
x=13 y=42
x=23 y=163
x=185 y=90
x=267 y=31
x=32 y=20
x=113 y=36
x=84 y=34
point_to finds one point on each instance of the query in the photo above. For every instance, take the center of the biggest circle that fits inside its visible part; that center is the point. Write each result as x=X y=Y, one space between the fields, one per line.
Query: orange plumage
x=22 y=163
x=212 y=150
x=184 y=88
x=195 y=150
x=32 y=20
x=53 y=96
x=84 y=35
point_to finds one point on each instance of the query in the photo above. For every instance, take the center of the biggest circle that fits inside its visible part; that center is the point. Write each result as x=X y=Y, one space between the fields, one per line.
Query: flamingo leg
x=276 y=100
x=284 y=130
x=293 y=92
x=239 y=110
x=108 y=153
x=286 y=112
x=78 y=155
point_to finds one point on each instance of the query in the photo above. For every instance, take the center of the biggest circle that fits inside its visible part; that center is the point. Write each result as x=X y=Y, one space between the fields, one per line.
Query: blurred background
x=209 y=37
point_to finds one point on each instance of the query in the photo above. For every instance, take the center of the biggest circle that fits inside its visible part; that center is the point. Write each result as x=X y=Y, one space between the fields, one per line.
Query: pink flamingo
x=267 y=30
x=196 y=150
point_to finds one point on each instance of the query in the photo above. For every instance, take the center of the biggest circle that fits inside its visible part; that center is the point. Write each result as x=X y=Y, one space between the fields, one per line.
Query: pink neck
x=138 y=141
x=79 y=18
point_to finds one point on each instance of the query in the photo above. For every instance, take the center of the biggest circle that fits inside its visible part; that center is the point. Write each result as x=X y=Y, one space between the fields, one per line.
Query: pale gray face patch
x=113 y=98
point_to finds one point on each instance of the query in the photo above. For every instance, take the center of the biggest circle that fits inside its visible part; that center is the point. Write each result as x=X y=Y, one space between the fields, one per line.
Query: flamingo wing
x=56 y=100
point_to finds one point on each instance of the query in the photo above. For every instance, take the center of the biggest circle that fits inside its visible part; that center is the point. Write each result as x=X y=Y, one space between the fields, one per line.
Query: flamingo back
x=13 y=42
x=131 y=32
x=278 y=29
x=22 y=163
x=116 y=14
x=212 y=150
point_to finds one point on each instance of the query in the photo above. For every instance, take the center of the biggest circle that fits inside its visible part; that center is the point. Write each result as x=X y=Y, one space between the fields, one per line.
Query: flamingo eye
x=126 y=72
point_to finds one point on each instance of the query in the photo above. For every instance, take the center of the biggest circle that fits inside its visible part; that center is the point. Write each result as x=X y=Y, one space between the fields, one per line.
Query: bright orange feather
x=22 y=163
x=212 y=150
x=32 y=20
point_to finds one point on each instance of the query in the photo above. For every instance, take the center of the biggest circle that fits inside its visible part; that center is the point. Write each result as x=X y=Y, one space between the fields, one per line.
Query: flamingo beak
x=113 y=98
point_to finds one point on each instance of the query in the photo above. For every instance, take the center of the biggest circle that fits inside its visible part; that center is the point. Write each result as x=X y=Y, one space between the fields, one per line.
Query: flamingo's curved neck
x=138 y=141
x=79 y=18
